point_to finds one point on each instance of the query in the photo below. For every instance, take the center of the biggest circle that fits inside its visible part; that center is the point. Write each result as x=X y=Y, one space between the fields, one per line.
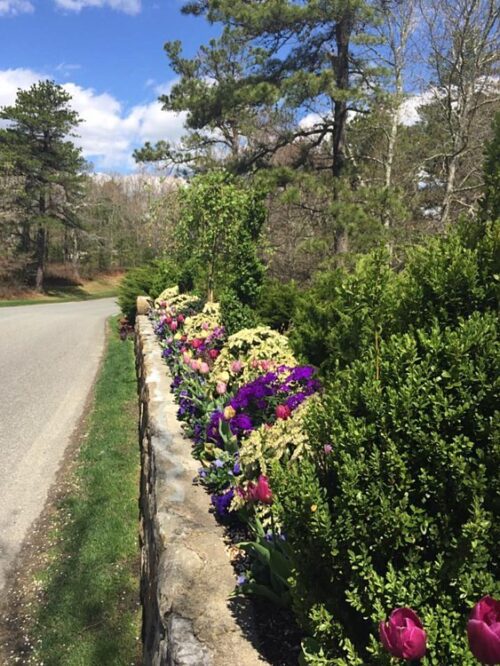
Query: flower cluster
x=202 y=324
x=269 y=398
x=257 y=386
x=250 y=353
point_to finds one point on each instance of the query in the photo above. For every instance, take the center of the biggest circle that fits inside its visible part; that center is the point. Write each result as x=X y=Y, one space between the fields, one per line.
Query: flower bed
x=253 y=412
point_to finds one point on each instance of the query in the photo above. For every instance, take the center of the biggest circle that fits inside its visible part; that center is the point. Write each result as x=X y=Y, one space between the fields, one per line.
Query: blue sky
x=109 y=54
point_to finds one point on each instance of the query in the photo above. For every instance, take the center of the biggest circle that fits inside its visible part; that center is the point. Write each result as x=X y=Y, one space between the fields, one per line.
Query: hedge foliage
x=401 y=508
x=149 y=280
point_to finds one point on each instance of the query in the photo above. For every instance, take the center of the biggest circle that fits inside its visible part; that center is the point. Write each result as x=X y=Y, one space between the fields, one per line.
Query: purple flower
x=222 y=502
x=213 y=434
x=237 y=468
x=300 y=373
x=202 y=472
x=240 y=424
x=295 y=400
x=177 y=381
x=241 y=580
x=218 y=463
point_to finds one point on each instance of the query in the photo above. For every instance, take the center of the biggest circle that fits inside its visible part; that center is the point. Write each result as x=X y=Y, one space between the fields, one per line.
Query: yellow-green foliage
x=176 y=304
x=167 y=295
x=203 y=323
x=285 y=439
x=251 y=345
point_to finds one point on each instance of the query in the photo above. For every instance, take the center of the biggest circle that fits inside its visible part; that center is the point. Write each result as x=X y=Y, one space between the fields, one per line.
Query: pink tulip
x=265 y=365
x=213 y=353
x=283 y=412
x=260 y=492
x=236 y=367
x=221 y=388
x=196 y=343
x=168 y=320
x=483 y=631
x=205 y=326
x=328 y=448
x=195 y=364
x=204 y=368
x=403 y=635
x=186 y=358
x=180 y=319
x=173 y=326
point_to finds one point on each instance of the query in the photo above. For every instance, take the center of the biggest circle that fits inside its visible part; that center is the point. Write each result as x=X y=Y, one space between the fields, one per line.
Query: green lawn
x=103 y=287
x=90 y=614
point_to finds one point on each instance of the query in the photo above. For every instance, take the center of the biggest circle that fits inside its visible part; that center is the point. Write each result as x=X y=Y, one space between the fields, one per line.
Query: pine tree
x=37 y=146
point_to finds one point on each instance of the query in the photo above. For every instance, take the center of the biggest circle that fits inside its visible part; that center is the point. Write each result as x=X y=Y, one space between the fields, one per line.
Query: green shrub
x=346 y=313
x=450 y=277
x=236 y=315
x=277 y=303
x=149 y=280
x=404 y=509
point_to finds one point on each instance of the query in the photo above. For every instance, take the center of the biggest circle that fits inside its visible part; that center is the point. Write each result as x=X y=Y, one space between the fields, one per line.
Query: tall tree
x=463 y=47
x=299 y=57
x=37 y=141
x=222 y=112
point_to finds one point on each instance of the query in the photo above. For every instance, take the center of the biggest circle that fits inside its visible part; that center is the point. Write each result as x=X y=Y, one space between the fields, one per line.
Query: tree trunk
x=25 y=245
x=75 y=256
x=40 y=257
x=450 y=187
x=342 y=35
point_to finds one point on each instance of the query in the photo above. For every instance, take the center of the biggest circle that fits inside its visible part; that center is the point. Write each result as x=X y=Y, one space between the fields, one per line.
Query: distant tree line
x=56 y=216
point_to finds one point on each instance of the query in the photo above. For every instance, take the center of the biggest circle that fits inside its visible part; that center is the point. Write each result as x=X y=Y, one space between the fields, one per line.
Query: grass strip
x=89 y=613
x=61 y=296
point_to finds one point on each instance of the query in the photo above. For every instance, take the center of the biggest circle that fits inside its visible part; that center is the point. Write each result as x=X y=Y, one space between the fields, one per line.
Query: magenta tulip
x=403 y=635
x=260 y=492
x=282 y=412
x=483 y=631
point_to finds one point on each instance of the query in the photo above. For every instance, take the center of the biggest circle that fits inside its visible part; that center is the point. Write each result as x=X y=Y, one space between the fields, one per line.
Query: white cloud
x=127 y=6
x=309 y=121
x=14 y=7
x=12 y=79
x=408 y=112
x=109 y=132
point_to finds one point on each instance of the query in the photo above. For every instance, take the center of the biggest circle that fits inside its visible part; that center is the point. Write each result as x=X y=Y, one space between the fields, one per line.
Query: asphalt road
x=49 y=356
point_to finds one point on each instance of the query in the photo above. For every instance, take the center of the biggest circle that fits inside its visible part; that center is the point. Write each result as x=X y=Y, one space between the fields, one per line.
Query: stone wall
x=186 y=575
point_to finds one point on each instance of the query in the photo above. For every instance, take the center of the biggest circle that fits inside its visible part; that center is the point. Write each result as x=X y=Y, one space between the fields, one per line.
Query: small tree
x=49 y=164
x=219 y=220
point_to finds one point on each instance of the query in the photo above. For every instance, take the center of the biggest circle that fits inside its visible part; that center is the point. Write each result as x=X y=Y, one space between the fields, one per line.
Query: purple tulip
x=403 y=635
x=483 y=631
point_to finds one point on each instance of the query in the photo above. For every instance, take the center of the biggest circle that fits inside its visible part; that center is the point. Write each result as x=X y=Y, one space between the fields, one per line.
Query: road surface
x=49 y=356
